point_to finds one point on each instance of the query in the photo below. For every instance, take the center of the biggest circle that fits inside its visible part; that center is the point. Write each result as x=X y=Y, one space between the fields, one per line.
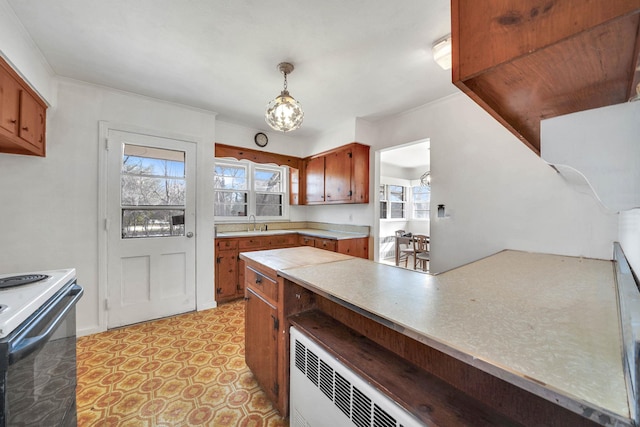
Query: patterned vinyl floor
x=186 y=370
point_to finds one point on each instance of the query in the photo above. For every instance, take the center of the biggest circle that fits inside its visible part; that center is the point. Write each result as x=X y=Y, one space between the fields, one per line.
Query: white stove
x=17 y=303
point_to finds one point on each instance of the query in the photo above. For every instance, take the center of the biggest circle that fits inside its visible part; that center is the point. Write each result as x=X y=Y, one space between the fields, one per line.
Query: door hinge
x=106 y=304
x=106 y=224
x=350 y=193
x=219 y=290
x=350 y=155
x=276 y=322
x=218 y=260
x=106 y=144
x=276 y=388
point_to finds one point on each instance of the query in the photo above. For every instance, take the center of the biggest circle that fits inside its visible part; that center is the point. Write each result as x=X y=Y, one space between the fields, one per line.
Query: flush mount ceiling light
x=284 y=113
x=442 y=52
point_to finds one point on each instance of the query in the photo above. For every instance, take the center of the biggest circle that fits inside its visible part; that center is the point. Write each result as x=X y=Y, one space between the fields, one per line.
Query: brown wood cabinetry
x=354 y=247
x=22 y=115
x=527 y=61
x=269 y=303
x=261 y=341
x=230 y=269
x=226 y=273
x=264 y=341
x=337 y=176
x=314 y=179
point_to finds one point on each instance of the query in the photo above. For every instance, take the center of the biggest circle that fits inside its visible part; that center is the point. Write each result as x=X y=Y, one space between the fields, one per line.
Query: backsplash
x=297 y=225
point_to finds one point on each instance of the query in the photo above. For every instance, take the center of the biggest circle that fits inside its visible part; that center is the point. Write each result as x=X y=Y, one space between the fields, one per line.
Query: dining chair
x=420 y=251
x=403 y=247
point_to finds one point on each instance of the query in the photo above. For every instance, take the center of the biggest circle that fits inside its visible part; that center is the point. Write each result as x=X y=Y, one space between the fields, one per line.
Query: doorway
x=404 y=195
x=150 y=224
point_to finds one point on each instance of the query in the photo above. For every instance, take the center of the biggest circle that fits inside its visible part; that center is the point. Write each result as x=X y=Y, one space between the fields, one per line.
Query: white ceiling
x=408 y=156
x=353 y=58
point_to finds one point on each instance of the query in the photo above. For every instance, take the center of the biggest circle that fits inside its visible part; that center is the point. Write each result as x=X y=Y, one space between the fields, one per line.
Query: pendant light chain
x=285 y=81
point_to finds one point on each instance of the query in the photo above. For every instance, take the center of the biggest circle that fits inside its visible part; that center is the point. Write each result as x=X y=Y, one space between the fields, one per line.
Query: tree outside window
x=242 y=187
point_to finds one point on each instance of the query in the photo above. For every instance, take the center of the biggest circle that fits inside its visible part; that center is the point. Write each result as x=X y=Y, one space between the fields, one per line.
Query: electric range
x=19 y=302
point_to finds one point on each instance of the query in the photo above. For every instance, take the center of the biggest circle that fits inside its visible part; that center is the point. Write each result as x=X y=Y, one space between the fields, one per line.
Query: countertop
x=546 y=323
x=325 y=234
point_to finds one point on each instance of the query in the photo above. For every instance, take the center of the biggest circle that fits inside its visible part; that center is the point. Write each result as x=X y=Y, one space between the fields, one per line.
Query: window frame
x=385 y=199
x=252 y=192
x=414 y=203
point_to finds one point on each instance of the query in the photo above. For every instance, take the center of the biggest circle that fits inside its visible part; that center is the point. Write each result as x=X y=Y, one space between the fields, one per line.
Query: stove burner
x=24 y=279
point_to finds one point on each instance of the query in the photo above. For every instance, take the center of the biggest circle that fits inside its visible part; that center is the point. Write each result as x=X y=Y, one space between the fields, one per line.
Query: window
x=232 y=193
x=421 y=196
x=392 y=201
x=152 y=192
x=242 y=188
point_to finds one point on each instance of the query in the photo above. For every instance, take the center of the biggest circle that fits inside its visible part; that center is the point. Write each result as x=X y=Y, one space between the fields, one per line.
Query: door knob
x=189 y=234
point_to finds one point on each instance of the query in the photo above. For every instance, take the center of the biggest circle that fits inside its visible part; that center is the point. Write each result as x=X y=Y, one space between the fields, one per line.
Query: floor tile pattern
x=186 y=370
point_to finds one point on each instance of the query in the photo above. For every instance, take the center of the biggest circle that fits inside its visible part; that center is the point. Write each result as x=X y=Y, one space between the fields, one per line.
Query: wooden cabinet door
x=314 y=180
x=326 y=244
x=261 y=345
x=306 y=241
x=29 y=121
x=9 y=104
x=226 y=277
x=338 y=176
x=354 y=247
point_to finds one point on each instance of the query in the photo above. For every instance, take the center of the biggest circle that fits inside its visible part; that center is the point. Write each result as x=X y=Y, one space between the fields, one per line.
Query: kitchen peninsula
x=529 y=339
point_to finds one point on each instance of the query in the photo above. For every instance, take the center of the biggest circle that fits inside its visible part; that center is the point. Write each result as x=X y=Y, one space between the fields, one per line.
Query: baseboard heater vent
x=324 y=392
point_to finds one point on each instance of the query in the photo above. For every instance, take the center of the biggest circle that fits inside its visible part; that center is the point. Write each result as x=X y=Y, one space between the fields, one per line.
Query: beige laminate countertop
x=325 y=234
x=546 y=323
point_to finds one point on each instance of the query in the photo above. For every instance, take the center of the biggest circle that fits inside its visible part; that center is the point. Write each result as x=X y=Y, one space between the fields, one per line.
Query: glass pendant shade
x=284 y=113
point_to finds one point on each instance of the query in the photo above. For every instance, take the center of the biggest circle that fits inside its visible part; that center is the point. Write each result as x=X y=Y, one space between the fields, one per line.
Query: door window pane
x=152 y=223
x=152 y=192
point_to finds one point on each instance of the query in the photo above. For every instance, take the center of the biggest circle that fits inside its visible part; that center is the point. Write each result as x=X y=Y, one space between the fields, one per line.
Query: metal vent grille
x=326 y=379
x=356 y=404
x=343 y=395
x=301 y=351
x=381 y=418
x=361 y=409
x=312 y=367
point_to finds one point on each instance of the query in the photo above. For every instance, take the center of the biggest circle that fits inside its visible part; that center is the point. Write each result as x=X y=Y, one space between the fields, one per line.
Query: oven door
x=40 y=365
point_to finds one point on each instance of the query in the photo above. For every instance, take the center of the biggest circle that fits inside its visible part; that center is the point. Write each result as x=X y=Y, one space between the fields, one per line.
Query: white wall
x=498 y=193
x=630 y=237
x=50 y=205
x=17 y=48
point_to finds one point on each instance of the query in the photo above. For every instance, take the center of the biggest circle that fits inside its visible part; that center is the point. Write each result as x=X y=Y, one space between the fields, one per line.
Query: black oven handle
x=25 y=346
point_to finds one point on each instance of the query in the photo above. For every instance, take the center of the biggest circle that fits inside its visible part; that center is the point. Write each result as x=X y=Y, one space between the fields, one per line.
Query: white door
x=150 y=227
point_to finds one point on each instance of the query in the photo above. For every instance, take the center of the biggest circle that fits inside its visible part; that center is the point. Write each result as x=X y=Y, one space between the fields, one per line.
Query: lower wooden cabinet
x=261 y=342
x=230 y=269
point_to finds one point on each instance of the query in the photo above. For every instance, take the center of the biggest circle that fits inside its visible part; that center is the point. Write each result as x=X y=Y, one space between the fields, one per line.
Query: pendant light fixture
x=284 y=113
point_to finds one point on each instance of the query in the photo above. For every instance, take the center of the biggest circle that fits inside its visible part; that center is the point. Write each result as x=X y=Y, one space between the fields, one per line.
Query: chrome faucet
x=254 y=222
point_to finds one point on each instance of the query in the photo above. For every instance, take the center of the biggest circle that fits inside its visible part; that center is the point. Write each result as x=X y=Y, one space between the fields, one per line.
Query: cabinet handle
x=25 y=128
x=258 y=280
x=14 y=121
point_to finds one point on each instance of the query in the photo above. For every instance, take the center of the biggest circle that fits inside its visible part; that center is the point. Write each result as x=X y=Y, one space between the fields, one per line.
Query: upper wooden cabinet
x=524 y=61
x=337 y=176
x=22 y=115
